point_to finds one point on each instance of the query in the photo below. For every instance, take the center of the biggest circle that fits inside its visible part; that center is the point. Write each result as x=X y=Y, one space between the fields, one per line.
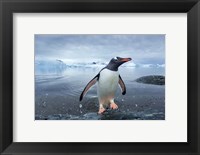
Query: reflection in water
x=57 y=96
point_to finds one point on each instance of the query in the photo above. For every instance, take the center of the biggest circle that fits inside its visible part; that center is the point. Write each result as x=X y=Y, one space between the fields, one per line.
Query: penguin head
x=116 y=62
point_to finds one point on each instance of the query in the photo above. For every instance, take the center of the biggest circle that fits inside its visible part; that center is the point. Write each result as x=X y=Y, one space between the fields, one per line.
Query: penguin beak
x=125 y=59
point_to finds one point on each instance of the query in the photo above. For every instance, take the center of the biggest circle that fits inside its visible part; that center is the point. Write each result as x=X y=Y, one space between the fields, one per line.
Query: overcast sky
x=143 y=49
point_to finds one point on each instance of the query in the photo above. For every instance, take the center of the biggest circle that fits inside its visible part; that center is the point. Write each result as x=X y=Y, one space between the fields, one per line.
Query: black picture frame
x=8 y=7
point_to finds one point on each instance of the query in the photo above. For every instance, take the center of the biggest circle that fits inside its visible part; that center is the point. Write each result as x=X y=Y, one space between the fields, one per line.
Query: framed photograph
x=62 y=66
x=99 y=77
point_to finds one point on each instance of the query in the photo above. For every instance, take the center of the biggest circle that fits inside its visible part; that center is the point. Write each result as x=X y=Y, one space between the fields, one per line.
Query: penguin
x=107 y=81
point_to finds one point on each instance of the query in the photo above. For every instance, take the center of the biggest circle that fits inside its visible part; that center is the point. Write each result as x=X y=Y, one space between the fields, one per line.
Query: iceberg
x=49 y=67
x=59 y=67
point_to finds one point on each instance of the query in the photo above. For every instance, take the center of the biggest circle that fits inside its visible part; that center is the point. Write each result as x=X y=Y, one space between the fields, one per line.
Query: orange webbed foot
x=101 y=110
x=113 y=106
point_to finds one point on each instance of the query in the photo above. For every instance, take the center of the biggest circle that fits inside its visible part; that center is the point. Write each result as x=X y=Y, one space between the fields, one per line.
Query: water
x=57 y=96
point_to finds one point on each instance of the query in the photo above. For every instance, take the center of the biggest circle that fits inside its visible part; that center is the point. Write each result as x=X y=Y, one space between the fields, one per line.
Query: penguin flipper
x=88 y=86
x=122 y=85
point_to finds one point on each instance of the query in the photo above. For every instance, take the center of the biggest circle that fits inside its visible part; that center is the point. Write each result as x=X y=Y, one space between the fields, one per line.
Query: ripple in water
x=57 y=97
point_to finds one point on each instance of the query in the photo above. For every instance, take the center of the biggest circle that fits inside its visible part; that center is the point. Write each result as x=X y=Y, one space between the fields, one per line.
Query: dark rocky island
x=152 y=79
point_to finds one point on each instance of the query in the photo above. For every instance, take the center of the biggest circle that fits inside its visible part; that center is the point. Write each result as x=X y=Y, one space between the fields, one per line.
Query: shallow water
x=57 y=96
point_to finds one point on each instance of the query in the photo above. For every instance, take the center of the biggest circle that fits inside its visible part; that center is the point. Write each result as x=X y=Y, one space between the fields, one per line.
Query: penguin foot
x=113 y=106
x=101 y=110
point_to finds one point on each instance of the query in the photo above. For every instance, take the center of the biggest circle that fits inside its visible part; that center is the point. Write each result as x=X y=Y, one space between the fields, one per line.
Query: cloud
x=142 y=48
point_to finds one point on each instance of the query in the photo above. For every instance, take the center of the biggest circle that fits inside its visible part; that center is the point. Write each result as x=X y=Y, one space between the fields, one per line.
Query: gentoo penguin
x=108 y=79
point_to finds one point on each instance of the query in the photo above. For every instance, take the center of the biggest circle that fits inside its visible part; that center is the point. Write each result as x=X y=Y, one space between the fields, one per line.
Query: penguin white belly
x=107 y=85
